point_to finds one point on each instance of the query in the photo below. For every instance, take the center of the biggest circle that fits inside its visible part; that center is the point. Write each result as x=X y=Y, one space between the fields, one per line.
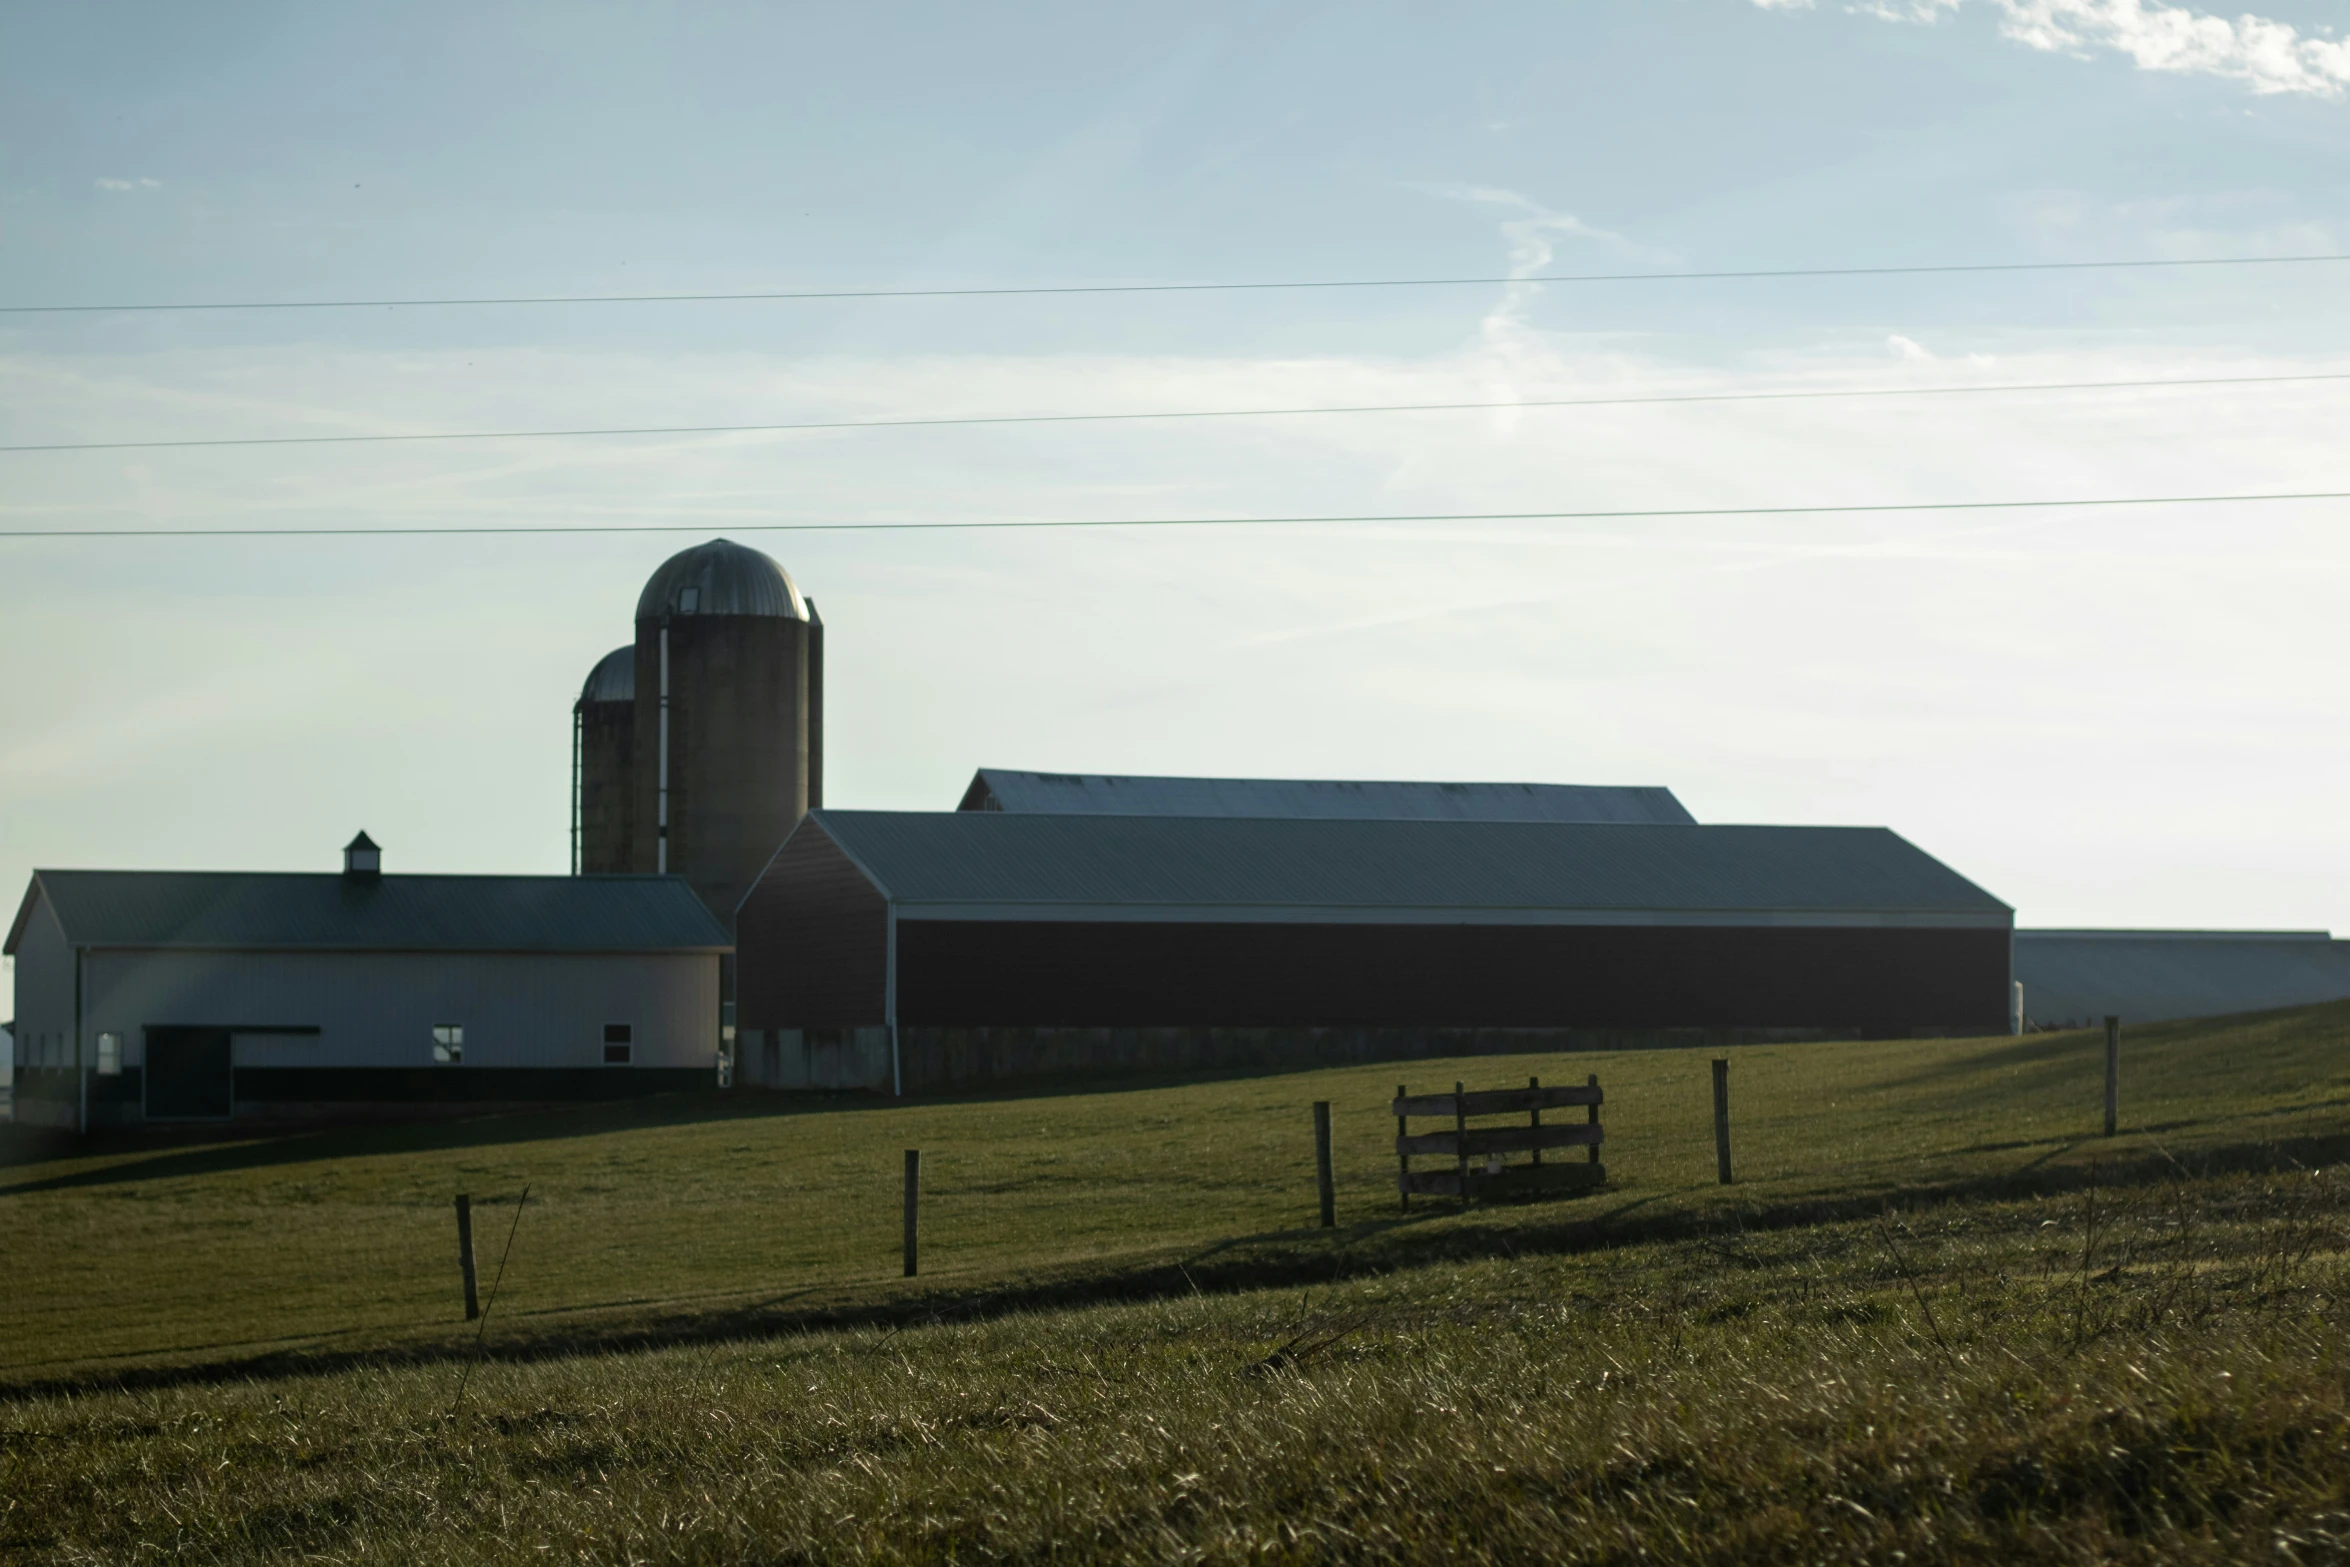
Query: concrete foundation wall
x=813 y=1058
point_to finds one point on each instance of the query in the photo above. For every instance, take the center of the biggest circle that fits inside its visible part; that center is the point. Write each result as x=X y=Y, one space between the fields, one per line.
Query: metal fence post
x=465 y=1255
x=1322 y=1164
x=1722 y=1119
x=913 y=1204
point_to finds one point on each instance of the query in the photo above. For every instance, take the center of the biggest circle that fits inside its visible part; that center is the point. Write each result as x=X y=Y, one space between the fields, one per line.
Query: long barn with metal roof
x=980 y=943
x=204 y=996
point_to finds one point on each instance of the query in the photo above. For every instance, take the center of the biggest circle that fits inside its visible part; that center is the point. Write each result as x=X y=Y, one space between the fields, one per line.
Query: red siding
x=812 y=941
x=981 y=973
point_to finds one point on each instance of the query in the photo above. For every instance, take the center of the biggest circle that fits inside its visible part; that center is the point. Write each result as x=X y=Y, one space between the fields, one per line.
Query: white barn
x=204 y=996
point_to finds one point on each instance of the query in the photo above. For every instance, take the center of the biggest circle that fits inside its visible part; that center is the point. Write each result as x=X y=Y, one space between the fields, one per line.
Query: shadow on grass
x=165 y=1153
x=231 y=1148
x=2075 y=1049
x=1268 y=1260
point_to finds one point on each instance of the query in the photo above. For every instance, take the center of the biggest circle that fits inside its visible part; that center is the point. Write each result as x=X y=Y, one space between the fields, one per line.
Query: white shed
x=197 y=995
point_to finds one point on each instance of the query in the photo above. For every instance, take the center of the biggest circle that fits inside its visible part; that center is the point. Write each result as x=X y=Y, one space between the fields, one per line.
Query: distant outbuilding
x=2073 y=978
x=193 y=996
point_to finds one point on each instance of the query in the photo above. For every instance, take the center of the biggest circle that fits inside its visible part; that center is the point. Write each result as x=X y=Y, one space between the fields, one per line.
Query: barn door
x=187 y=1074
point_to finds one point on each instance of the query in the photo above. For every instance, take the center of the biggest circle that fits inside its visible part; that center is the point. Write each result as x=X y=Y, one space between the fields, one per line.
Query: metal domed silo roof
x=721 y=578
x=614 y=677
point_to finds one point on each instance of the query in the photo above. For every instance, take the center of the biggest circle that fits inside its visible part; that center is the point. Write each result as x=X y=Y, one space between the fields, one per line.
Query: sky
x=2120 y=716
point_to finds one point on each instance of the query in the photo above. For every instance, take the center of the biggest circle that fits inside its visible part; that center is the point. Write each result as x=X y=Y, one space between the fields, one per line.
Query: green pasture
x=139 y=1257
x=2156 y=1372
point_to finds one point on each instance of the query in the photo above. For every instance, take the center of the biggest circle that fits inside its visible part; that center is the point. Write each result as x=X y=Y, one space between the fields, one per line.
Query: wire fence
x=772 y=1202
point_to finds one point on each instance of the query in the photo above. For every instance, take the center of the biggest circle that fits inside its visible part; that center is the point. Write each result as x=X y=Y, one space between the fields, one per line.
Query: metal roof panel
x=1092 y=861
x=226 y=910
x=613 y=679
x=721 y=578
x=1092 y=794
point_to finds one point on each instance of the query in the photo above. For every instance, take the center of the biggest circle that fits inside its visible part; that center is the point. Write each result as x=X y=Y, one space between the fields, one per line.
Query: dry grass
x=1934 y=1322
x=2153 y=1374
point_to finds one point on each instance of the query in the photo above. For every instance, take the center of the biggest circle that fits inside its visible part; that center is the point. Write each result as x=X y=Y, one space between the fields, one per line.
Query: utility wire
x=1181 y=413
x=1660 y=513
x=1170 y=288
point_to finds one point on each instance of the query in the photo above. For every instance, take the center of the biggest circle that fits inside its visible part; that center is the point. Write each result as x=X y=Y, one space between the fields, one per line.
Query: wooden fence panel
x=1483 y=1140
x=1498 y=1101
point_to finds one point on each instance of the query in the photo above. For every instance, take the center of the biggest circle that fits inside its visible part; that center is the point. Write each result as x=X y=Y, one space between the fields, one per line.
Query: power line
x=1184 y=413
x=1168 y=288
x=1657 y=513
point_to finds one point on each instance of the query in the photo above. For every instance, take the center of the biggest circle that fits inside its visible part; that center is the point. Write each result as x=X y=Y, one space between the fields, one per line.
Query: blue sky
x=2107 y=718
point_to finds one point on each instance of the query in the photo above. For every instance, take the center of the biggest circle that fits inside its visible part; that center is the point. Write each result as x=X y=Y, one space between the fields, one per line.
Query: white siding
x=44 y=1013
x=44 y=989
x=377 y=1009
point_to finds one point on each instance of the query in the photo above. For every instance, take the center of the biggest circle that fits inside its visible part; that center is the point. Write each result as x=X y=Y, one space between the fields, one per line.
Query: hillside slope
x=706 y=1217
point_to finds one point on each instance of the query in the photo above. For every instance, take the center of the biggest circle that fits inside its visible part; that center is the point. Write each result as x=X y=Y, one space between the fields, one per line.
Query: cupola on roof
x=721 y=578
x=613 y=679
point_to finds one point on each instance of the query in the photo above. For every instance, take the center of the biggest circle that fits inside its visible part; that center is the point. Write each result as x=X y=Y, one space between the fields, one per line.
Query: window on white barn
x=448 y=1043
x=619 y=1043
x=110 y=1055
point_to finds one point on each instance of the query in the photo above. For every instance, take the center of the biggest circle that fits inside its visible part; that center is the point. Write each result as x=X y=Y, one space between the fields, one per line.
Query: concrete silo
x=729 y=725
x=603 y=762
x=815 y=707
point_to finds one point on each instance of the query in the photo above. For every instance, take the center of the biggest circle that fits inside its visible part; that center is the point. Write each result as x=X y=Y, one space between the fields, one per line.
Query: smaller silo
x=603 y=802
x=815 y=706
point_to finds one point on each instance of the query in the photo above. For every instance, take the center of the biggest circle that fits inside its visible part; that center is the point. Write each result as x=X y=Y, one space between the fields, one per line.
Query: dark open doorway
x=187 y=1074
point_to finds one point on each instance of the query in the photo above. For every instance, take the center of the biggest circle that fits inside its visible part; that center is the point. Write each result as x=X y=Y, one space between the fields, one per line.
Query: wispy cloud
x=2266 y=55
x=1816 y=668
x=1533 y=235
x=141 y=183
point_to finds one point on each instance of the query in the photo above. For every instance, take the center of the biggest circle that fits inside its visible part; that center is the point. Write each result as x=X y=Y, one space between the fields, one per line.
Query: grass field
x=1919 y=1323
x=344 y=1242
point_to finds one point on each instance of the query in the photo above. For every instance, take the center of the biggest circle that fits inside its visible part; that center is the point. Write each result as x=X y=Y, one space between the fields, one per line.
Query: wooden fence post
x=1534 y=1119
x=1322 y=1164
x=1403 y=1161
x=1592 y=1152
x=1722 y=1119
x=465 y=1255
x=913 y=1204
x=2113 y=1074
x=1460 y=1126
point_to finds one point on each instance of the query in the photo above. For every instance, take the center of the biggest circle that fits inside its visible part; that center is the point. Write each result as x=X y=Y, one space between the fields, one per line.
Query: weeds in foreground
x=2149 y=1376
